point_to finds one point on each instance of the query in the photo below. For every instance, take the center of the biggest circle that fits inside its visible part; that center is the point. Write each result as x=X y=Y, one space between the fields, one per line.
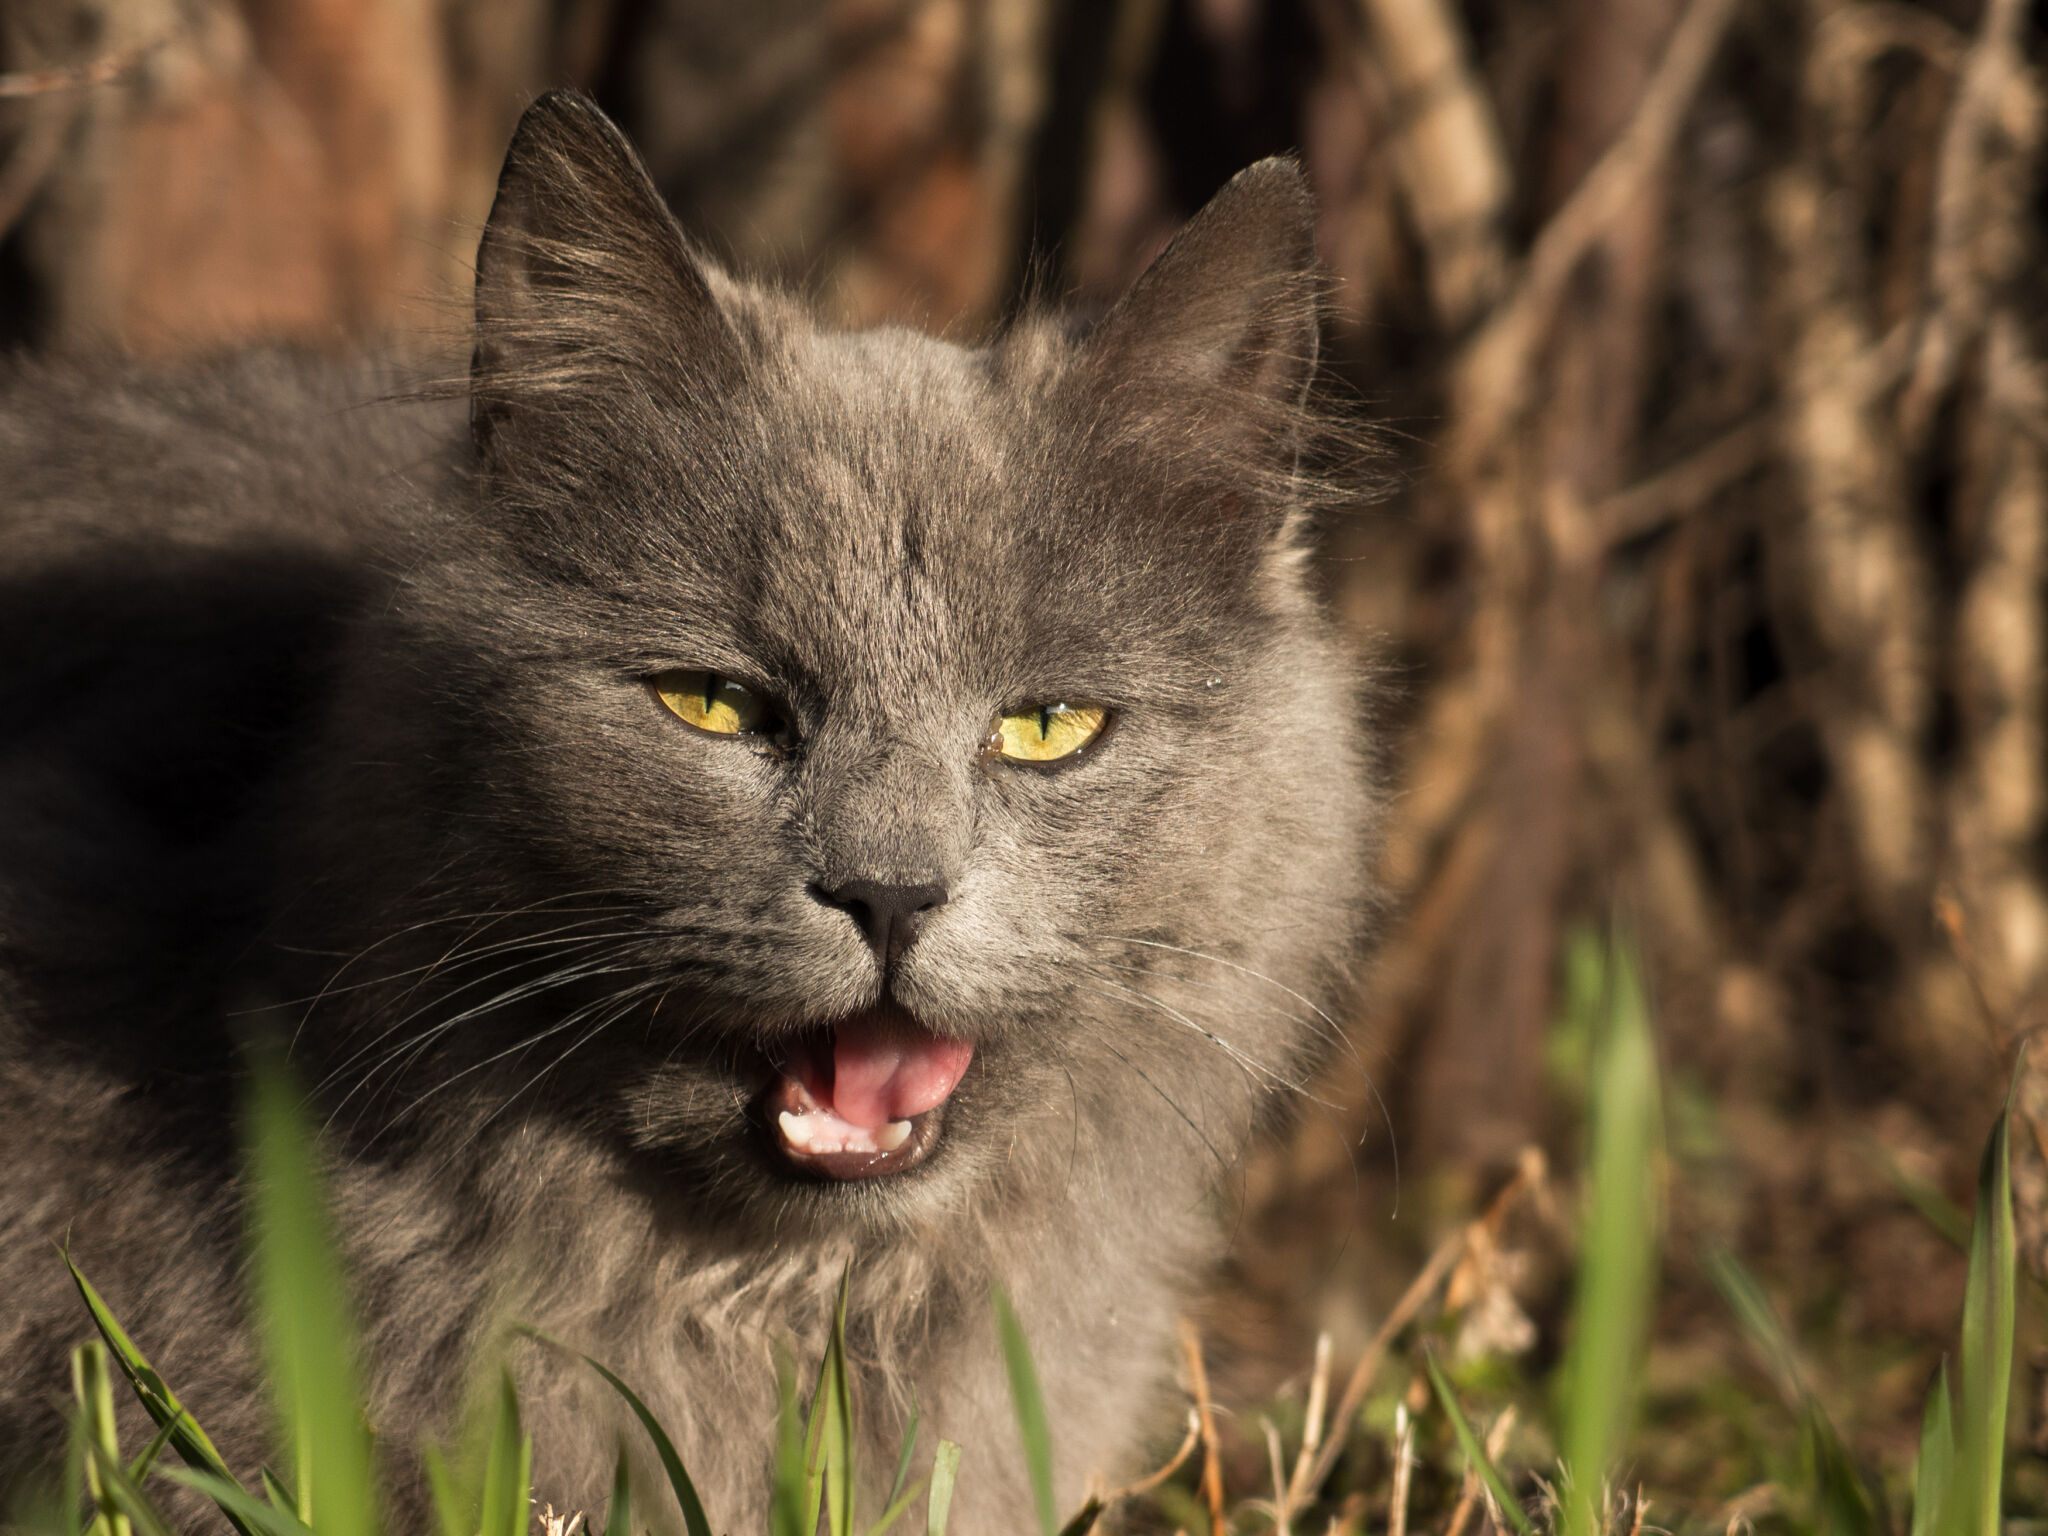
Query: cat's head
x=927 y=760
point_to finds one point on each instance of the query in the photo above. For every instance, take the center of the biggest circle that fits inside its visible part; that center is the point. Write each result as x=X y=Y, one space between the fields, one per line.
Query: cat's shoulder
x=266 y=448
x=182 y=553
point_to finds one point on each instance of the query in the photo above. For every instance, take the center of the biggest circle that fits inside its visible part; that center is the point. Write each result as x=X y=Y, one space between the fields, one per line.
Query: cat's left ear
x=1226 y=316
x=583 y=277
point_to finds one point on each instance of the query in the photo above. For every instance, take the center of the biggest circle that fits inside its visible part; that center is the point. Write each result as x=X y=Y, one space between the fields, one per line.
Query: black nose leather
x=891 y=916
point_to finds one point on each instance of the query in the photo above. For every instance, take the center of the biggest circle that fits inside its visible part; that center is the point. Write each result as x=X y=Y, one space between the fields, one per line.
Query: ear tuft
x=583 y=275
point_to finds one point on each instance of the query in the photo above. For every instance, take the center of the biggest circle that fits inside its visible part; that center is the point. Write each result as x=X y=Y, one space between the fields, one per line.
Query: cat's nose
x=891 y=916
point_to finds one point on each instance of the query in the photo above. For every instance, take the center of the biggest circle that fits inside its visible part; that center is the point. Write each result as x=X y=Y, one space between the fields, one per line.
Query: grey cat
x=747 y=799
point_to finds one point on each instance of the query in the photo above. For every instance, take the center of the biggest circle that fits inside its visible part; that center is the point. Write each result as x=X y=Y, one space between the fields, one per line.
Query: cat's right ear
x=1202 y=371
x=1229 y=307
x=583 y=278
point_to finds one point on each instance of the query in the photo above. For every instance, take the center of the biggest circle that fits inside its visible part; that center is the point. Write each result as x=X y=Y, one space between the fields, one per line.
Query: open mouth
x=864 y=1097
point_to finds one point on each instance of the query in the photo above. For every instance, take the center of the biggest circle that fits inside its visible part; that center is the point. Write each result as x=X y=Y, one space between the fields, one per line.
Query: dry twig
x=35 y=154
x=1404 y=1465
x=1685 y=487
x=1276 y=1461
x=1420 y=1289
x=1495 y=373
x=1173 y=1464
x=1468 y=1491
x=1996 y=805
x=70 y=77
x=1312 y=1424
x=1205 y=1411
x=1994 y=101
x=1449 y=155
x=1530 y=1182
x=1865 y=584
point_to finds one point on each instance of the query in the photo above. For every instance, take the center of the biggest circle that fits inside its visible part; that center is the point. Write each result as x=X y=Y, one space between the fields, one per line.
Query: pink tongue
x=879 y=1075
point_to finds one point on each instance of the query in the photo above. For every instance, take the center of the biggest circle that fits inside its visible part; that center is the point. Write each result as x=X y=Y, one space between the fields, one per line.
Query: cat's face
x=941 y=742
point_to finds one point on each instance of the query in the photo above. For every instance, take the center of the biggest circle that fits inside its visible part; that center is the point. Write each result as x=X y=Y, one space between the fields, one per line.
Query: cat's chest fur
x=744 y=802
x=696 y=1323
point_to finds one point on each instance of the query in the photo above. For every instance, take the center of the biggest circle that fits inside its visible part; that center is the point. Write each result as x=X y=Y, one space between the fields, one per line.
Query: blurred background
x=1706 y=579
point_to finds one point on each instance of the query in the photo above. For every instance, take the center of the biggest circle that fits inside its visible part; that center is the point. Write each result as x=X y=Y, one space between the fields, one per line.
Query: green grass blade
x=1474 y=1452
x=791 y=1494
x=1759 y=1320
x=896 y=1508
x=140 y=1468
x=909 y=1450
x=1845 y=1507
x=814 y=1448
x=1934 y=1476
x=95 y=1393
x=524 y=1483
x=945 y=1468
x=679 y=1482
x=158 y=1400
x=40 y=1507
x=239 y=1504
x=1084 y=1519
x=1029 y=1403
x=1985 y=1367
x=275 y=1490
x=303 y=1315
x=70 y=1495
x=1934 y=1207
x=1618 y=1260
x=135 y=1509
x=618 y=1512
x=835 y=1445
x=508 y=1470
x=449 y=1505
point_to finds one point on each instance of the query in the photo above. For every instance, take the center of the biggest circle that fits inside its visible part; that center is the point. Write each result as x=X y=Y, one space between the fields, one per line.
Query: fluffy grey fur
x=334 y=718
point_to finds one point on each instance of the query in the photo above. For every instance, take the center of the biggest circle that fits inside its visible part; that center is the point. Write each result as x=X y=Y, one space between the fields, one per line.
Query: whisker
x=1222 y=1162
x=410 y=1050
x=582 y=941
x=460 y=946
x=568 y=1021
x=489 y=917
x=460 y=953
x=1386 y=1114
x=1330 y=1114
x=1336 y=1040
x=1244 y=970
x=620 y=1004
x=1246 y=1062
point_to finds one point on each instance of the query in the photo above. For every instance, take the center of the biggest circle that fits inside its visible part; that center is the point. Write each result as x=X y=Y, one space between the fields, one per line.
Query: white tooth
x=893 y=1135
x=796 y=1130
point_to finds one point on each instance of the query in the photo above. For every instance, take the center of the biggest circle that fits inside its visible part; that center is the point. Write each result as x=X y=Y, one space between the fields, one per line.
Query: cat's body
x=337 y=723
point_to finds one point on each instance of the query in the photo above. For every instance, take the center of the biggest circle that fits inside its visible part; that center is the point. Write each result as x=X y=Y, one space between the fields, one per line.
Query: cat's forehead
x=891 y=428
x=871 y=513
x=887 y=511
x=897 y=477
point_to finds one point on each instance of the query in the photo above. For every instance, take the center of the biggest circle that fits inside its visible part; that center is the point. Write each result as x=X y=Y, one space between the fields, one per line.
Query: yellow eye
x=711 y=702
x=1047 y=732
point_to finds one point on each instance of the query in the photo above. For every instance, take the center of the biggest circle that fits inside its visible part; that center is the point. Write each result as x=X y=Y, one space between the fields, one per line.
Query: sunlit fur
x=334 y=723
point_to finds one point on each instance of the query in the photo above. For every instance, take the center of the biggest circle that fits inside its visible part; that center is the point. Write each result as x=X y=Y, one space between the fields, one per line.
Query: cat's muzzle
x=864 y=1097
